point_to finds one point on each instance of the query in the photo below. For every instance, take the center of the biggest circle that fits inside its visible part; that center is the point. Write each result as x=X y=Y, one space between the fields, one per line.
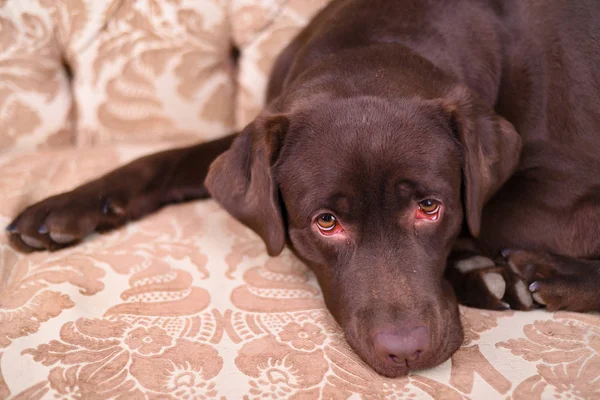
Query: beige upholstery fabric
x=144 y=71
x=262 y=44
x=35 y=102
x=156 y=70
x=186 y=303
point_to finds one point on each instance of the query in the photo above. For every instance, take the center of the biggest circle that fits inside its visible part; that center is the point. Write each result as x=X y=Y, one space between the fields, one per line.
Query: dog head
x=371 y=195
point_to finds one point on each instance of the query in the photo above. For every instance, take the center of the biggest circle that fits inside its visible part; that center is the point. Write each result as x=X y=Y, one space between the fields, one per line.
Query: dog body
x=394 y=130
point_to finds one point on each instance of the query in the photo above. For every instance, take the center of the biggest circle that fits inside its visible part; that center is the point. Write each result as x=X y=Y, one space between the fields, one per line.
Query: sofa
x=186 y=303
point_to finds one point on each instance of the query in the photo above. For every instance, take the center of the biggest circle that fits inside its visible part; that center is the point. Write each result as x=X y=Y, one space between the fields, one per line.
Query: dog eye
x=429 y=206
x=327 y=222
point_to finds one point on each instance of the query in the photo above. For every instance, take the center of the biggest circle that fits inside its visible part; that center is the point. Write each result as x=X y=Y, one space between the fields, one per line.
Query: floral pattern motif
x=148 y=341
x=566 y=351
x=261 y=45
x=186 y=303
x=175 y=83
x=91 y=361
x=303 y=337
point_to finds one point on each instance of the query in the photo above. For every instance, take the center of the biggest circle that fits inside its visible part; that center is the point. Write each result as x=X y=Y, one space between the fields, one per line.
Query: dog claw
x=11 y=228
x=32 y=242
x=111 y=207
x=534 y=287
x=43 y=230
x=504 y=306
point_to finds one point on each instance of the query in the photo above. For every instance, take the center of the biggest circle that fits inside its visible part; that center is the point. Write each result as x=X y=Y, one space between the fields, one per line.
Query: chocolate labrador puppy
x=395 y=131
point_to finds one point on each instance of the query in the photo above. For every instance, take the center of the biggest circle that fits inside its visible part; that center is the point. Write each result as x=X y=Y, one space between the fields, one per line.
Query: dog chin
x=433 y=359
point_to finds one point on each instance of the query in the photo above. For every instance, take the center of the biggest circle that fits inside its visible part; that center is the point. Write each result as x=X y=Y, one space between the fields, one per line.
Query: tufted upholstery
x=186 y=303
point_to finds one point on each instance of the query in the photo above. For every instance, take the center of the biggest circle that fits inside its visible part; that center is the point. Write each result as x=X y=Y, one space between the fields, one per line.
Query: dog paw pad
x=495 y=283
x=62 y=238
x=32 y=242
x=537 y=297
x=523 y=295
x=473 y=263
x=11 y=228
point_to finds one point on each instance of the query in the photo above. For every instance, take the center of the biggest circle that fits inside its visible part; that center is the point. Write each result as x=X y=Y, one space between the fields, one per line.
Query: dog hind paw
x=482 y=283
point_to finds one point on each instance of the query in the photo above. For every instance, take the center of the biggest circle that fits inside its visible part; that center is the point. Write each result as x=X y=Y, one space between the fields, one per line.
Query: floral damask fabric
x=90 y=72
x=187 y=304
x=155 y=70
x=261 y=45
x=35 y=101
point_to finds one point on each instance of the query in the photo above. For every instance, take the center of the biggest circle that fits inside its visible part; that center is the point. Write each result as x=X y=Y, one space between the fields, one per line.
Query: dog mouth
x=398 y=368
x=401 y=346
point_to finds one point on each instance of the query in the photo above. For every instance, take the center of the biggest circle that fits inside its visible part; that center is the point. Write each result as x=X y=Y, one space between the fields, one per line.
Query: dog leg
x=125 y=194
x=559 y=283
x=481 y=282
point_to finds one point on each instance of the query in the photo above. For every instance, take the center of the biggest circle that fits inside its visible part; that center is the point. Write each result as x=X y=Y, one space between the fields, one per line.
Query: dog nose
x=402 y=347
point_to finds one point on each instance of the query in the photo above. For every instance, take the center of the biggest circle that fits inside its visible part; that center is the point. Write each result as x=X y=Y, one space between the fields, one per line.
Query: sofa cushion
x=187 y=304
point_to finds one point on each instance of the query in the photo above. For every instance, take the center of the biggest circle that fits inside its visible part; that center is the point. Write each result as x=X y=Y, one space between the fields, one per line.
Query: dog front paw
x=63 y=220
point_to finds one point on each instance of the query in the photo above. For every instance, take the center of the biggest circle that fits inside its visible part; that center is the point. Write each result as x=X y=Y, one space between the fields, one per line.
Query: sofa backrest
x=98 y=72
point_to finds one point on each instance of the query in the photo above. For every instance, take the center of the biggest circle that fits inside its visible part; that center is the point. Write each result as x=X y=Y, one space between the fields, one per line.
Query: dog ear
x=492 y=149
x=241 y=180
